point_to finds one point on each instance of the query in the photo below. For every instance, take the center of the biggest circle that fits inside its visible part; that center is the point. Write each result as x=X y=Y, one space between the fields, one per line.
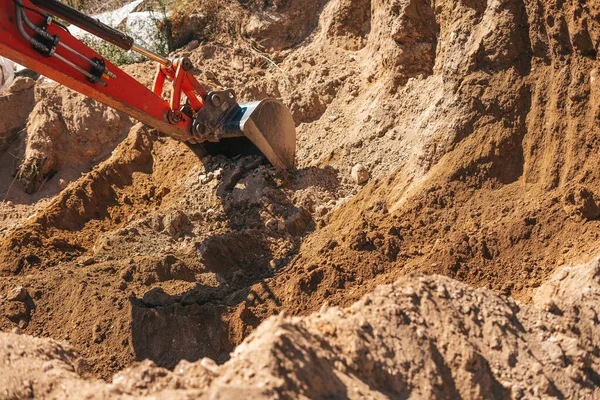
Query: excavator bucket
x=269 y=125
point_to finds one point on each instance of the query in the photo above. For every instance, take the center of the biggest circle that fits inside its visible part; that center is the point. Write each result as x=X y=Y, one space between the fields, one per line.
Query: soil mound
x=453 y=137
x=426 y=337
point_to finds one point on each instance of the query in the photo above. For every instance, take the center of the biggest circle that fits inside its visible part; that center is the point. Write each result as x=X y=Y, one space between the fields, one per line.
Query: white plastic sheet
x=139 y=25
x=7 y=73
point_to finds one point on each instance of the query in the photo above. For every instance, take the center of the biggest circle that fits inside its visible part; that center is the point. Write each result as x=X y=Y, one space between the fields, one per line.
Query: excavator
x=33 y=34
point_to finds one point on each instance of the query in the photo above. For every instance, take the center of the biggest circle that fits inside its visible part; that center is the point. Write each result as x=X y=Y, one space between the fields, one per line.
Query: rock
x=299 y=222
x=176 y=223
x=192 y=45
x=580 y=203
x=157 y=298
x=204 y=179
x=28 y=73
x=157 y=223
x=272 y=224
x=359 y=174
x=322 y=211
x=87 y=261
x=21 y=84
x=62 y=183
x=554 y=352
x=18 y=293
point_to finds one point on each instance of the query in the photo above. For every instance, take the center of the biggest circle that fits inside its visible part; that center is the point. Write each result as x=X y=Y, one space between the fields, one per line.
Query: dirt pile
x=70 y=132
x=426 y=337
x=476 y=127
x=15 y=106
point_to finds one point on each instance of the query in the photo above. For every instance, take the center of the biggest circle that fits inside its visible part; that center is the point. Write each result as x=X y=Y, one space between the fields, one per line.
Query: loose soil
x=479 y=126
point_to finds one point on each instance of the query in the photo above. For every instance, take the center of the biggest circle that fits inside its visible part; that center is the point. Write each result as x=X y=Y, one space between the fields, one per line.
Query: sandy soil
x=476 y=125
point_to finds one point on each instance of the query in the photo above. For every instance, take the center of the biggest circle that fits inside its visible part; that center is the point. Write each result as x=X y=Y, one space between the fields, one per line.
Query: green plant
x=159 y=27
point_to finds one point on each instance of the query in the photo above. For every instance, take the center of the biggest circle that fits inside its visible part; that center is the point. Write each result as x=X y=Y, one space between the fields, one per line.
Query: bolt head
x=216 y=100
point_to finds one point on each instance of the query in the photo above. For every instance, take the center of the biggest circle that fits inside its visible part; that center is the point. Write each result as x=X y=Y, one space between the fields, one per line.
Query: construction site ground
x=437 y=239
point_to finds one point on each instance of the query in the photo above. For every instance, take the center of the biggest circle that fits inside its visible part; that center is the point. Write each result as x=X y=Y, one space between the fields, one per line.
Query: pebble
x=272 y=224
x=87 y=261
x=21 y=84
x=18 y=293
x=554 y=352
x=204 y=179
x=359 y=174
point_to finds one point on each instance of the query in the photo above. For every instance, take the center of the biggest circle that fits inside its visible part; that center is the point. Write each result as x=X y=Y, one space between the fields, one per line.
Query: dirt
x=422 y=337
x=475 y=129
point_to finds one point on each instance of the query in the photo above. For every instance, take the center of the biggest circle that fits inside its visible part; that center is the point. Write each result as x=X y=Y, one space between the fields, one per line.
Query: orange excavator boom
x=31 y=36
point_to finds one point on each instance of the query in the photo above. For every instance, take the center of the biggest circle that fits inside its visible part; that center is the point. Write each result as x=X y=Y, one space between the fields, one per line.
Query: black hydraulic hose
x=55 y=40
x=36 y=44
x=86 y=22
x=48 y=51
x=37 y=29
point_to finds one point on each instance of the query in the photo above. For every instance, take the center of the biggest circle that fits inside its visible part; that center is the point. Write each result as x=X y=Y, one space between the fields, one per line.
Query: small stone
x=158 y=223
x=573 y=373
x=322 y=211
x=554 y=352
x=562 y=274
x=210 y=75
x=209 y=364
x=192 y=45
x=23 y=324
x=17 y=331
x=87 y=261
x=62 y=183
x=18 y=293
x=177 y=223
x=517 y=392
x=21 y=84
x=551 y=306
x=272 y=224
x=204 y=179
x=359 y=174
x=537 y=368
x=15 y=311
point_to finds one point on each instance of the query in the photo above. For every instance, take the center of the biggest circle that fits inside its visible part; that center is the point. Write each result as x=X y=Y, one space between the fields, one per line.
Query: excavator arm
x=30 y=36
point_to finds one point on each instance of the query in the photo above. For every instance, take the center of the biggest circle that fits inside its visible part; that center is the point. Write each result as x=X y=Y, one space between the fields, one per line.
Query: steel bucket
x=270 y=126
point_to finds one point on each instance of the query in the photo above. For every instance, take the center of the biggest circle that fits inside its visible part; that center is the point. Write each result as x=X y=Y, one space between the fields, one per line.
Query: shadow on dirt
x=202 y=322
x=209 y=321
